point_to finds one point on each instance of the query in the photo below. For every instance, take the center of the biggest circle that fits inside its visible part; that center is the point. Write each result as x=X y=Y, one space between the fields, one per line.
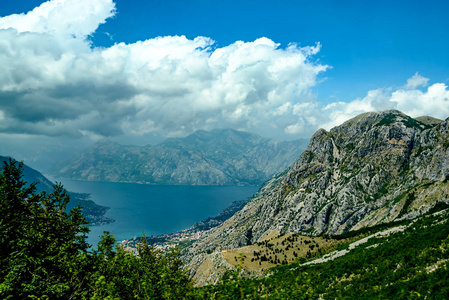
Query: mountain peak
x=375 y=168
x=378 y=118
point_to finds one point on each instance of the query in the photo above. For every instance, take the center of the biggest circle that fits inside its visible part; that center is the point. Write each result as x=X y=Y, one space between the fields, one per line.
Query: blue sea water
x=155 y=209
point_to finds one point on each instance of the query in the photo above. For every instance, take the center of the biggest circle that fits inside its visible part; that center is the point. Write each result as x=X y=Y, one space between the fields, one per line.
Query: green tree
x=44 y=253
x=148 y=274
x=43 y=248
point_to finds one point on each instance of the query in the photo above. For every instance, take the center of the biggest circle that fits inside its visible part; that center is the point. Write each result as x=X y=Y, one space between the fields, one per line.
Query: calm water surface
x=155 y=209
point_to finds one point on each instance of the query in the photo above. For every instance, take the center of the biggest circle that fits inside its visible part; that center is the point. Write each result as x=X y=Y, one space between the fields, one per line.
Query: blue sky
x=369 y=44
x=348 y=57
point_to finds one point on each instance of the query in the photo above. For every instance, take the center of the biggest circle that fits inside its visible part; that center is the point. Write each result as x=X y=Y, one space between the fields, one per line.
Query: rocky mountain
x=93 y=212
x=375 y=168
x=218 y=157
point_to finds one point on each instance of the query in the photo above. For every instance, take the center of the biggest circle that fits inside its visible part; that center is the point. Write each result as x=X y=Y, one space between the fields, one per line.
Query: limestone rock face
x=377 y=167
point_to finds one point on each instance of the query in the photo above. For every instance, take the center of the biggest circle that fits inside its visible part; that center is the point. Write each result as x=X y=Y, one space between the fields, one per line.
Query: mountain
x=376 y=168
x=218 y=157
x=93 y=212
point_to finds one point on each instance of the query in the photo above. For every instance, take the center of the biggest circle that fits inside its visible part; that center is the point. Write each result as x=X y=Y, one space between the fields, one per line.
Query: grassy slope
x=404 y=265
x=281 y=250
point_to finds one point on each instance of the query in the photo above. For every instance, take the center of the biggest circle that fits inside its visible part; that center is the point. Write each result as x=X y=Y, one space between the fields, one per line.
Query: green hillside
x=408 y=264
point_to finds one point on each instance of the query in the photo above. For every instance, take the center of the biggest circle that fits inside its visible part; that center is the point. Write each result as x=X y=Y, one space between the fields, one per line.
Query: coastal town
x=166 y=241
x=184 y=237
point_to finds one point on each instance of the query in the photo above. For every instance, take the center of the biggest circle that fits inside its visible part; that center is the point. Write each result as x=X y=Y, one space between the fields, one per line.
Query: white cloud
x=416 y=81
x=413 y=102
x=62 y=17
x=434 y=102
x=53 y=82
x=338 y=112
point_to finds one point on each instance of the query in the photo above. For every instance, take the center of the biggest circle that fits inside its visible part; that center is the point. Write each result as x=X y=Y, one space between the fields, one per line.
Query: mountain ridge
x=218 y=157
x=375 y=168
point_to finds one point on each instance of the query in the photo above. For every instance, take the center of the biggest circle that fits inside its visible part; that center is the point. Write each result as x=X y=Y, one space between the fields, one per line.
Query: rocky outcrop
x=377 y=167
x=219 y=157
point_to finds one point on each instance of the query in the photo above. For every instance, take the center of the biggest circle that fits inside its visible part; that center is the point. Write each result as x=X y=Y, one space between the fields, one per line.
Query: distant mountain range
x=93 y=212
x=373 y=169
x=218 y=157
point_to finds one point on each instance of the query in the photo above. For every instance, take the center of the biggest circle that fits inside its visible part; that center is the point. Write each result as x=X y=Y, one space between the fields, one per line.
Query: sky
x=138 y=71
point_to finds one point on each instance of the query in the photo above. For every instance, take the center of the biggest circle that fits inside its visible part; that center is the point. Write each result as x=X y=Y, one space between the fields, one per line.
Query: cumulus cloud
x=62 y=17
x=54 y=82
x=432 y=102
x=416 y=81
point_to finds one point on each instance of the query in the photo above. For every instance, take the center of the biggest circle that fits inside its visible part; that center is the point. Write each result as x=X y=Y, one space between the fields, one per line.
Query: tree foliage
x=42 y=246
x=44 y=253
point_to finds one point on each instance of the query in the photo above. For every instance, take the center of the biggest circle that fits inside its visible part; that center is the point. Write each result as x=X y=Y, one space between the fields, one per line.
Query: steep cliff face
x=219 y=157
x=377 y=167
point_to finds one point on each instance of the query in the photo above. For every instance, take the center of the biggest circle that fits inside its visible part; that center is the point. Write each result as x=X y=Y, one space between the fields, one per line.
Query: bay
x=155 y=209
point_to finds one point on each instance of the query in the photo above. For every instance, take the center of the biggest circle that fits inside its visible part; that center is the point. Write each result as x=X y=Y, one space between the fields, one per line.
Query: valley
x=363 y=213
x=224 y=150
